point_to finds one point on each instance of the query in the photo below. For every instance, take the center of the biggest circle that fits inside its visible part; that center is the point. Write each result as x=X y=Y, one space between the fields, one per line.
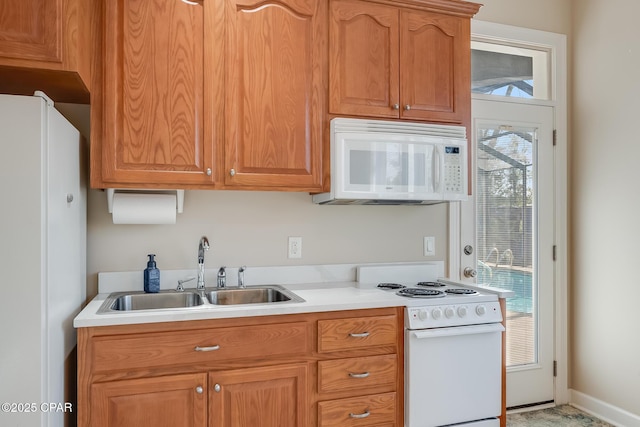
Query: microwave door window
x=390 y=168
x=417 y=159
x=371 y=171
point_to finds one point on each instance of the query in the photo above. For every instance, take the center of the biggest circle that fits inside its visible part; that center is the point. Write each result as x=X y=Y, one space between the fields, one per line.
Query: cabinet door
x=154 y=115
x=363 y=70
x=29 y=29
x=45 y=45
x=435 y=67
x=270 y=396
x=274 y=93
x=172 y=401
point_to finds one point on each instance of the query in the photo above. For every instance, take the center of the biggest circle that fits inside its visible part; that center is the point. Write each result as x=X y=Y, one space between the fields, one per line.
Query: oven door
x=453 y=375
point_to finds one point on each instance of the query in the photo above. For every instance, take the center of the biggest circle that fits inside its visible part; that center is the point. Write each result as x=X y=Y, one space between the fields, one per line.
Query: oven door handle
x=458 y=330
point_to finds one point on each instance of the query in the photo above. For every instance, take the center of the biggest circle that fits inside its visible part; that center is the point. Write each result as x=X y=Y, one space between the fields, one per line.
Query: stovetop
x=431 y=302
x=431 y=292
x=419 y=284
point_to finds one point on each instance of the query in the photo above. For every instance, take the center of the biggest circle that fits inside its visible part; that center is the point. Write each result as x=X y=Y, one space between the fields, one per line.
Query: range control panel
x=439 y=316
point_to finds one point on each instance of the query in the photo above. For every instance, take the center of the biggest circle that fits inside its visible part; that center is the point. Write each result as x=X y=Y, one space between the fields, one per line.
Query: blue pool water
x=513 y=280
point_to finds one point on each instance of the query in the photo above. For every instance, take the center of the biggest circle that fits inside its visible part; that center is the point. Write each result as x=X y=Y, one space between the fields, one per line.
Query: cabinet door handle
x=365 y=414
x=192 y=2
x=232 y=172
x=209 y=171
x=199 y=390
x=407 y=107
x=212 y=348
x=217 y=388
x=396 y=106
x=362 y=375
x=362 y=335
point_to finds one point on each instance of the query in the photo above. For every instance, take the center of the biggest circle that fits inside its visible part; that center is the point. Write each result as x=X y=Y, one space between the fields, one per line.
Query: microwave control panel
x=453 y=167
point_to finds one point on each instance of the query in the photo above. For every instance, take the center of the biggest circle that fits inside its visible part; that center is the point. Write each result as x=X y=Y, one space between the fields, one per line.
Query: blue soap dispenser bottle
x=151 y=276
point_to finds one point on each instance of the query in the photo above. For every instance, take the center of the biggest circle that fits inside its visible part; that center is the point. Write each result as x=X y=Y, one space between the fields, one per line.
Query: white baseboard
x=603 y=410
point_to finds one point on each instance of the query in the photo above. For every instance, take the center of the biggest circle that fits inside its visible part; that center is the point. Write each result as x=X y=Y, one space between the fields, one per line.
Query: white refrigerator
x=42 y=261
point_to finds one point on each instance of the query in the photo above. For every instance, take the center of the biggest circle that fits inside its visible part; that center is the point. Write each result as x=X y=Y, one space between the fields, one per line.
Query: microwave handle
x=437 y=175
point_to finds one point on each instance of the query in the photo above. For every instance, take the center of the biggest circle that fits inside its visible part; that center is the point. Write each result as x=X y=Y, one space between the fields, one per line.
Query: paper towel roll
x=138 y=208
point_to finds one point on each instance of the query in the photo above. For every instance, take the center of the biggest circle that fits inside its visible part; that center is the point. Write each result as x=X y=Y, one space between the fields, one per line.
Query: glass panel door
x=510 y=226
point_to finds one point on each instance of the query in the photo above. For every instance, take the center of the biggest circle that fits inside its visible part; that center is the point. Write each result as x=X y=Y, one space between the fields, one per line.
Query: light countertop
x=318 y=298
x=324 y=288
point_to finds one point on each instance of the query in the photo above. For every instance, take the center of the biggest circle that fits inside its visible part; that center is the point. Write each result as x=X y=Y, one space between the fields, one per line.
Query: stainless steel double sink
x=120 y=302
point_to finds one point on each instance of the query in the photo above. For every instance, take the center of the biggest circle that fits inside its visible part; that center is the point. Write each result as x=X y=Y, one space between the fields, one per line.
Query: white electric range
x=453 y=345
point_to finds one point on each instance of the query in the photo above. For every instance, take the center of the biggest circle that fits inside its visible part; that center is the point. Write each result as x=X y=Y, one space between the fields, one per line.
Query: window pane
x=505 y=204
x=510 y=71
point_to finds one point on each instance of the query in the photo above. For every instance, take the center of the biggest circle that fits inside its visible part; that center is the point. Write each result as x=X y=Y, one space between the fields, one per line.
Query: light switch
x=429 y=246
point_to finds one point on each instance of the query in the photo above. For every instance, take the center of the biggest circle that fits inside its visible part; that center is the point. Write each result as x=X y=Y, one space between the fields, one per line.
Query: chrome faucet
x=222 y=278
x=202 y=247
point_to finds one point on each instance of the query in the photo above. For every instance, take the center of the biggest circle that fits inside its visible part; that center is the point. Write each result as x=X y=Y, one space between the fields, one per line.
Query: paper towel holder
x=179 y=196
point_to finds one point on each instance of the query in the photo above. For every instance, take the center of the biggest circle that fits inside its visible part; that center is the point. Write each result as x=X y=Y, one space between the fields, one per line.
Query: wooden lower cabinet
x=375 y=410
x=171 y=401
x=340 y=368
x=271 y=396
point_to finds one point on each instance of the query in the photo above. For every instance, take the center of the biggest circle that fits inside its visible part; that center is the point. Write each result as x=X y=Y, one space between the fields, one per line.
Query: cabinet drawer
x=199 y=346
x=357 y=332
x=375 y=410
x=358 y=373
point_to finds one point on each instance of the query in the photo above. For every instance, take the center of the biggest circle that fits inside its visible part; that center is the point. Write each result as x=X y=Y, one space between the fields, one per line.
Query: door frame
x=556 y=44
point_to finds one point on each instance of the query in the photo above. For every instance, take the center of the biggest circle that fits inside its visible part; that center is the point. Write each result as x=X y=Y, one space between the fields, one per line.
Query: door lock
x=470 y=272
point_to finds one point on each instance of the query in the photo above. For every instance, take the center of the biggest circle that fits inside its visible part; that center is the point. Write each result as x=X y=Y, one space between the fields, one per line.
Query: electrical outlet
x=429 y=246
x=295 y=247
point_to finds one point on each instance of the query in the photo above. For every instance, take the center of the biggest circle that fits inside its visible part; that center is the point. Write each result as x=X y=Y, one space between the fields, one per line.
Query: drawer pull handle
x=365 y=414
x=199 y=390
x=362 y=335
x=212 y=348
x=362 y=375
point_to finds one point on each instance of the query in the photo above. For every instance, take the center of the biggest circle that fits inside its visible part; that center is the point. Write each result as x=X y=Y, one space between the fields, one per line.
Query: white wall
x=605 y=226
x=545 y=15
x=251 y=228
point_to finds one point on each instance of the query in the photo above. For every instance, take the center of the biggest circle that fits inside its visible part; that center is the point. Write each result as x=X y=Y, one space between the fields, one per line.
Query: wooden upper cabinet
x=397 y=62
x=274 y=94
x=435 y=67
x=44 y=45
x=364 y=59
x=152 y=109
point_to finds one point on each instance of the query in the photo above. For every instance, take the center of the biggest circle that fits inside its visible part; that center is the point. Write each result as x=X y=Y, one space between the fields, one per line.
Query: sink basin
x=133 y=301
x=123 y=302
x=252 y=295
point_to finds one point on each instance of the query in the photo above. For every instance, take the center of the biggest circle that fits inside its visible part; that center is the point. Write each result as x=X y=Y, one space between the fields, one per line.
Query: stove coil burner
x=391 y=286
x=461 y=291
x=420 y=293
x=431 y=284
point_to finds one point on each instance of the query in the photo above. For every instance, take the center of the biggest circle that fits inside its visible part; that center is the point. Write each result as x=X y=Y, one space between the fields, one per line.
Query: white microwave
x=390 y=163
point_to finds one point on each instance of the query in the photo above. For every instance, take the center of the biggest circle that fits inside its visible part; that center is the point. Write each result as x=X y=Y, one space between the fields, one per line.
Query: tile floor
x=559 y=416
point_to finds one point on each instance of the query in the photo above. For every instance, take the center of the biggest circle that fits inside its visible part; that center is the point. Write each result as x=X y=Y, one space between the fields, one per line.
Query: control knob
x=481 y=310
x=449 y=312
x=422 y=314
x=462 y=311
x=436 y=313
